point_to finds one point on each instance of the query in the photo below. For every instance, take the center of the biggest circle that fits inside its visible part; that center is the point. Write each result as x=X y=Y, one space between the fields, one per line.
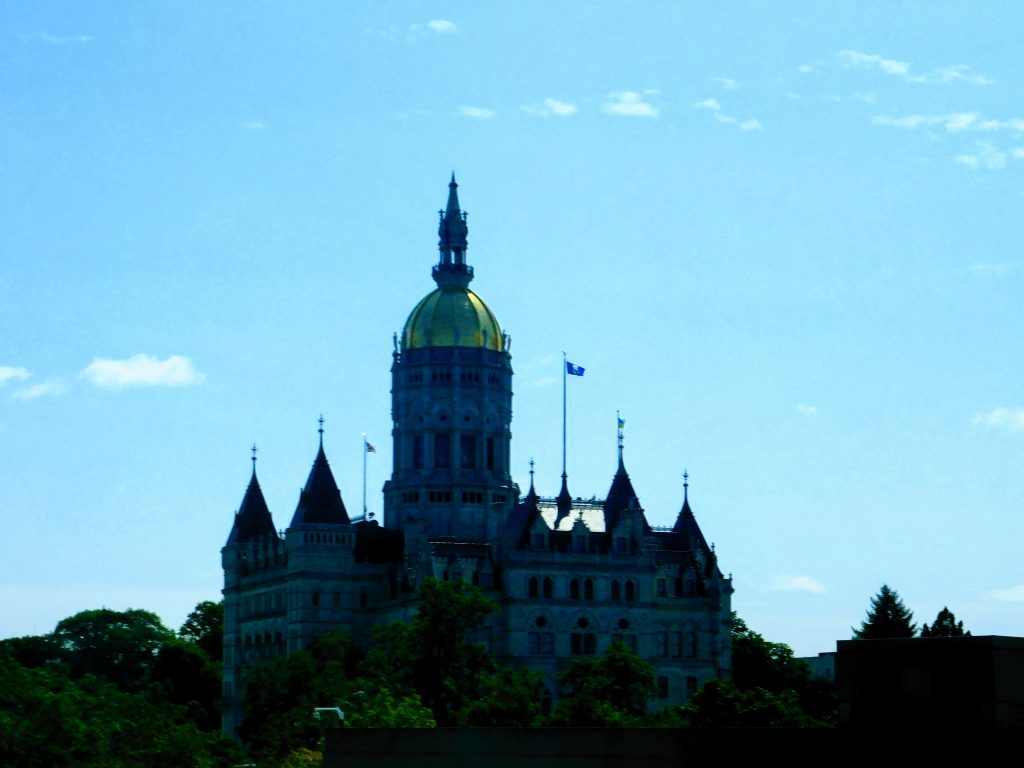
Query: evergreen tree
x=888 y=617
x=945 y=625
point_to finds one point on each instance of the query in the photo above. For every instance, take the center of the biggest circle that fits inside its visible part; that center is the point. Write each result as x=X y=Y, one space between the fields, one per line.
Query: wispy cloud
x=715 y=108
x=478 y=113
x=954 y=122
x=631 y=104
x=142 y=371
x=986 y=156
x=442 y=26
x=1011 y=419
x=63 y=39
x=1009 y=595
x=788 y=583
x=807 y=410
x=943 y=75
x=728 y=83
x=49 y=388
x=551 y=107
x=9 y=373
x=804 y=69
x=254 y=125
x=994 y=269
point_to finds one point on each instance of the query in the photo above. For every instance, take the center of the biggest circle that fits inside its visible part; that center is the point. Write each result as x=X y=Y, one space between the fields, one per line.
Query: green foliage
x=204 y=626
x=382 y=709
x=120 y=646
x=720 y=704
x=48 y=718
x=185 y=676
x=282 y=694
x=945 y=625
x=887 y=617
x=766 y=669
x=611 y=691
x=508 y=698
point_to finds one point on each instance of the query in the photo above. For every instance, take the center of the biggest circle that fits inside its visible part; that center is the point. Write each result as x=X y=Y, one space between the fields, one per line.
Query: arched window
x=691 y=645
x=532 y=586
x=588 y=589
x=616 y=590
x=630 y=590
x=574 y=589
x=548 y=587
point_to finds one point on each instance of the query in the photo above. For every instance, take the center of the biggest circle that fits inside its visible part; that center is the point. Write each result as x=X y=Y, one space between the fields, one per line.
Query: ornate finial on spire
x=254 y=458
x=531 y=472
x=686 y=484
x=320 y=421
x=452 y=231
x=621 y=425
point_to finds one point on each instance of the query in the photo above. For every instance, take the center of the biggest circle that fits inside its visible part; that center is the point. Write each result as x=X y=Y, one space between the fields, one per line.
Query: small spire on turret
x=452 y=231
x=320 y=421
x=531 y=474
x=254 y=459
x=686 y=485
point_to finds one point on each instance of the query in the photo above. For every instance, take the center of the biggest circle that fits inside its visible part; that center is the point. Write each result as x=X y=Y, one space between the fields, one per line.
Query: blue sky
x=783 y=238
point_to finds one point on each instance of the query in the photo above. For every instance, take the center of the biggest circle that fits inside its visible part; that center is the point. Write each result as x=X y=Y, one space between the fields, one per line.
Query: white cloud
x=1011 y=595
x=951 y=74
x=724 y=118
x=630 y=104
x=869 y=61
x=805 y=68
x=142 y=371
x=63 y=39
x=728 y=83
x=1011 y=419
x=787 y=583
x=8 y=373
x=943 y=75
x=994 y=268
x=807 y=410
x=750 y=125
x=954 y=122
x=49 y=388
x=1017 y=153
x=478 y=113
x=987 y=156
x=867 y=98
x=708 y=104
x=551 y=107
x=254 y=125
x=442 y=26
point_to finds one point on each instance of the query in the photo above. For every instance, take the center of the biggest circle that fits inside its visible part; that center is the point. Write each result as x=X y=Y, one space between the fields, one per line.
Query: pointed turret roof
x=564 y=500
x=621 y=495
x=686 y=523
x=253 y=520
x=320 y=501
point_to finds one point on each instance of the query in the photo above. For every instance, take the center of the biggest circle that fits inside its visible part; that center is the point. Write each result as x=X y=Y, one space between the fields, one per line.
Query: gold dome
x=452 y=316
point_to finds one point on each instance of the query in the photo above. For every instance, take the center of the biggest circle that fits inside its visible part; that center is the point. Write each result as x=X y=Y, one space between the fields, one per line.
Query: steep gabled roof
x=620 y=496
x=320 y=501
x=253 y=520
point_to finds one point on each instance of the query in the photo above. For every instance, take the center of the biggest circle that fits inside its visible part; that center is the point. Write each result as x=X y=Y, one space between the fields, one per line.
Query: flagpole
x=564 y=368
x=364 y=476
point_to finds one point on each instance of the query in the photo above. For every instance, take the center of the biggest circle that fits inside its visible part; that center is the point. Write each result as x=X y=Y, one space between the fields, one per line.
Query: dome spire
x=451 y=232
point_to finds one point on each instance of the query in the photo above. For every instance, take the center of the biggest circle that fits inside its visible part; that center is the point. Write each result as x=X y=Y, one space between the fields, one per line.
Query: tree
x=888 y=617
x=945 y=625
x=121 y=646
x=610 y=691
x=204 y=626
x=720 y=704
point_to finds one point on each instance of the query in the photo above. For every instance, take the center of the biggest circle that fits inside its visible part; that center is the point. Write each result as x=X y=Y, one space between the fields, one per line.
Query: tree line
x=118 y=688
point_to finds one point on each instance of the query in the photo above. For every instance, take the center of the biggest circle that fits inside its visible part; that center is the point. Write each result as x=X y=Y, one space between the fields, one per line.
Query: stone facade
x=570 y=576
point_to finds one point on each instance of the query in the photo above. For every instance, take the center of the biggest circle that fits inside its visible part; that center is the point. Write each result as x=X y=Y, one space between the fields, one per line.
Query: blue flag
x=574 y=370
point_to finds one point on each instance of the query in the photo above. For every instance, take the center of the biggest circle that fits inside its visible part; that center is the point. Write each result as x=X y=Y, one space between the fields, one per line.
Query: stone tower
x=451 y=406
